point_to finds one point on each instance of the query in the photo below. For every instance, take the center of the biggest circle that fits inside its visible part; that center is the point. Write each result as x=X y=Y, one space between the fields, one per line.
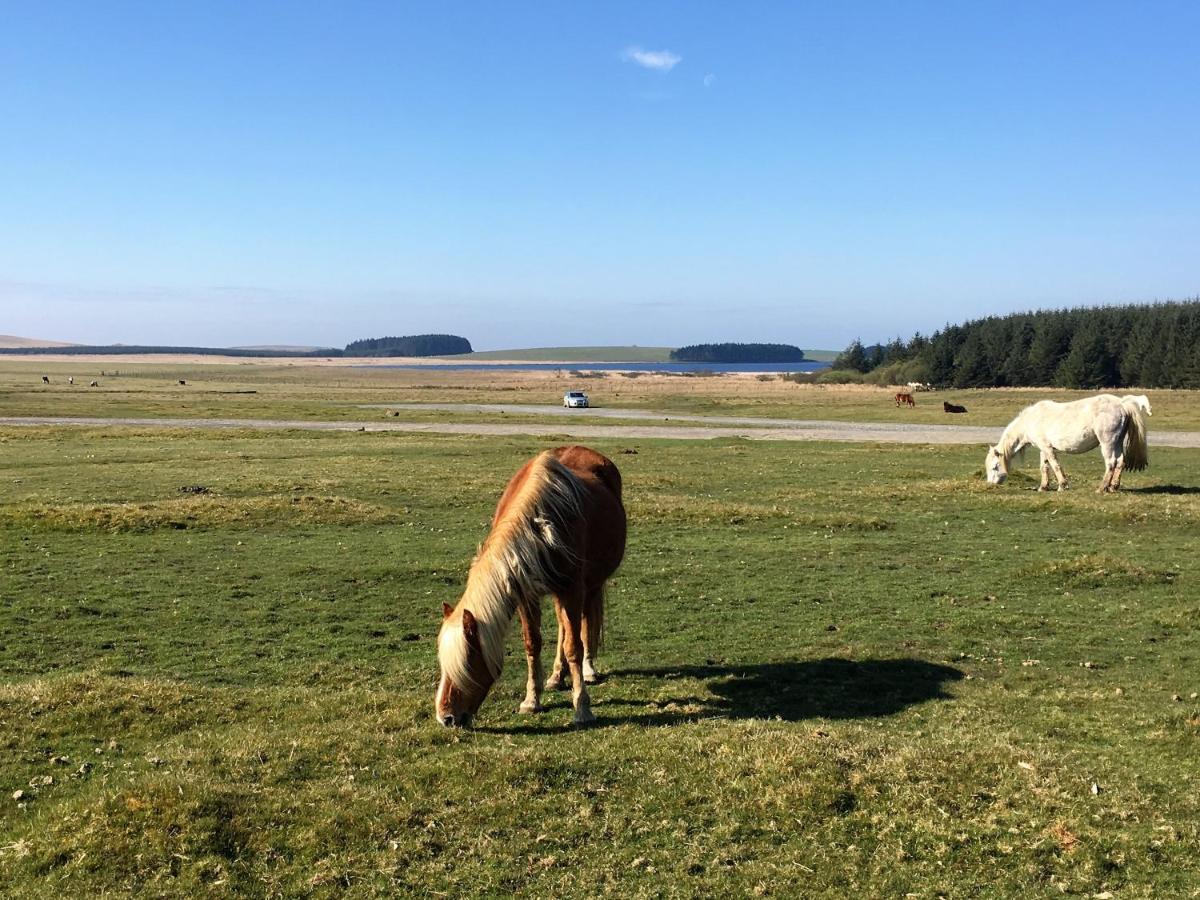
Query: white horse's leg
x=1118 y=467
x=1059 y=476
x=1045 y=466
x=1106 y=481
x=531 y=629
x=1116 y=474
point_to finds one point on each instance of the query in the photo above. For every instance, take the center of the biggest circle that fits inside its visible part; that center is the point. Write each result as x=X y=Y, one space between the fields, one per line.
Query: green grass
x=833 y=670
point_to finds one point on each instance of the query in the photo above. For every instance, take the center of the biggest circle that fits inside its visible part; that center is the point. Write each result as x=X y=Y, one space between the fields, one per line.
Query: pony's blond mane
x=516 y=564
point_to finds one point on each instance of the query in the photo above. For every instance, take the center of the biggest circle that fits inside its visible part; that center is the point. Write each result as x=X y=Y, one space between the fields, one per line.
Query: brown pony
x=559 y=529
x=905 y=399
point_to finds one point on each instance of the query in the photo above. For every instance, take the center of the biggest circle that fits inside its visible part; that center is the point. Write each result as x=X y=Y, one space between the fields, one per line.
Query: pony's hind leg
x=1115 y=485
x=531 y=630
x=593 y=621
x=556 y=681
x=570 y=624
x=1112 y=476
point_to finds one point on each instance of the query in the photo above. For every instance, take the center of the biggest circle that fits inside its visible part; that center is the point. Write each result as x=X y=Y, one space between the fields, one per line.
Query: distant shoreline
x=445 y=363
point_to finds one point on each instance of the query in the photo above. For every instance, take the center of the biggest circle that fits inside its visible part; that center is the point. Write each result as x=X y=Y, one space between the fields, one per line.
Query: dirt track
x=573 y=424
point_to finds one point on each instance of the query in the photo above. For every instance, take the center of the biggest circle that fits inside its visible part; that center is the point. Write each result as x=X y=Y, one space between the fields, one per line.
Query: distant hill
x=11 y=340
x=821 y=355
x=576 y=354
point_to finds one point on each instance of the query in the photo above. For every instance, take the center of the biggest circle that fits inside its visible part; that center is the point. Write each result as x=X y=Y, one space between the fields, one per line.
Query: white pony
x=1116 y=424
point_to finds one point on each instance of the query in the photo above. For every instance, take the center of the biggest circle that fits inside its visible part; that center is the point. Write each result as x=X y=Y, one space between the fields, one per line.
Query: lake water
x=675 y=367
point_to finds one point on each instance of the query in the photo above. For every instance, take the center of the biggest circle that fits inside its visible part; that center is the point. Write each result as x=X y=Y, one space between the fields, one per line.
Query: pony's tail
x=1136 y=455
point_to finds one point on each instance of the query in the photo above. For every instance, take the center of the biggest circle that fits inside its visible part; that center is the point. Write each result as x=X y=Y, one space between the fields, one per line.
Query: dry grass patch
x=1097 y=570
x=197 y=512
x=709 y=510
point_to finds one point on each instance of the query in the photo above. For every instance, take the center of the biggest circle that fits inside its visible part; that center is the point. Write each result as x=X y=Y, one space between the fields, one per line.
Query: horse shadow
x=836 y=689
x=1173 y=489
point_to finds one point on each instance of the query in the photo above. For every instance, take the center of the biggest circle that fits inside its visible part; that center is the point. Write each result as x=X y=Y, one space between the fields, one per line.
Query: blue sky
x=546 y=174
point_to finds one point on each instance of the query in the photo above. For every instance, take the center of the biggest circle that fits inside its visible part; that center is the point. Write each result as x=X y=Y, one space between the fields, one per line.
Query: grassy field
x=832 y=670
x=339 y=392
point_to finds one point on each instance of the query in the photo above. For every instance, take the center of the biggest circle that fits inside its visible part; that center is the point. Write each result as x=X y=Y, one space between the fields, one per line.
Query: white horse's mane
x=1012 y=441
x=514 y=565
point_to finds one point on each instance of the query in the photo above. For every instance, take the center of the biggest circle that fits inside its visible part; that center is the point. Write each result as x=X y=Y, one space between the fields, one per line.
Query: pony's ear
x=470 y=626
x=447 y=609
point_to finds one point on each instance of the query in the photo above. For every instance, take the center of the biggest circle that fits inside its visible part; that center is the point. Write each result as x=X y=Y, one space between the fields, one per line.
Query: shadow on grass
x=1174 y=489
x=791 y=691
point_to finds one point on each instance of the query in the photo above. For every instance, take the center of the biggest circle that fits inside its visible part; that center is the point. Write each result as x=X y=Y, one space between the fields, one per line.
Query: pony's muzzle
x=462 y=720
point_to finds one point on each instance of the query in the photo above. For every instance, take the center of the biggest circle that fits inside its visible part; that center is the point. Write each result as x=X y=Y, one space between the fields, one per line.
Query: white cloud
x=659 y=60
x=710 y=79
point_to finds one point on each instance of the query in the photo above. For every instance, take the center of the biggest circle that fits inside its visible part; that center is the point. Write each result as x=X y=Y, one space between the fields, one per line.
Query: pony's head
x=995 y=467
x=466 y=677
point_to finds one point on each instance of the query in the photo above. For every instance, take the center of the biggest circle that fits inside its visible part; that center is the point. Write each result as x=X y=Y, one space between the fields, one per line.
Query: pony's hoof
x=583 y=717
x=556 y=684
x=528 y=707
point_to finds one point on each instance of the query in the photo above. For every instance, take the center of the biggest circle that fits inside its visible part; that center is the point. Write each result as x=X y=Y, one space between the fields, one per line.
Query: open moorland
x=831 y=669
x=297 y=390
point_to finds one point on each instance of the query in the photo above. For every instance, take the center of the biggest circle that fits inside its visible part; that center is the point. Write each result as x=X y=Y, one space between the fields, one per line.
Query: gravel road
x=575 y=424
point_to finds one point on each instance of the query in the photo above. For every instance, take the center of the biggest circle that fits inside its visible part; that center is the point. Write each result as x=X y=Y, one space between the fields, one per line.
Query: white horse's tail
x=1136 y=455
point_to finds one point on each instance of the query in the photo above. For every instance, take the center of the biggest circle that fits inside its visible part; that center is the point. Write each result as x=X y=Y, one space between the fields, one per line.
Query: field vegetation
x=832 y=670
x=346 y=393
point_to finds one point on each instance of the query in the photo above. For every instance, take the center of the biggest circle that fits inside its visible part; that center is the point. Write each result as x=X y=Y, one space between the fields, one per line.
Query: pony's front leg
x=570 y=625
x=531 y=630
x=1045 y=465
x=1058 y=472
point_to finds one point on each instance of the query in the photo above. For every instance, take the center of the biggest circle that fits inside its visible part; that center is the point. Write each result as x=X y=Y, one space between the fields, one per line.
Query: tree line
x=1152 y=346
x=410 y=345
x=738 y=353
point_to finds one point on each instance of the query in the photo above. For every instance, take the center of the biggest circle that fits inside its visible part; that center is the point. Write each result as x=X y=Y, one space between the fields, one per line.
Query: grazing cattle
x=181 y=381
x=905 y=399
x=952 y=407
x=71 y=380
x=559 y=529
x=94 y=384
x=918 y=387
x=1115 y=424
x=45 y=379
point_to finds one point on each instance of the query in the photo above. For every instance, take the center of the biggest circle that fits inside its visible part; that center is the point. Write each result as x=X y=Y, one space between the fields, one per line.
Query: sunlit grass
x=838 y=670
